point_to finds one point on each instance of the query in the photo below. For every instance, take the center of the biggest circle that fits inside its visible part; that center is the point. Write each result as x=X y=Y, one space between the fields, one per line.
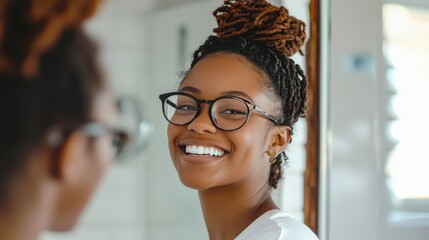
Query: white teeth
x=200 y=150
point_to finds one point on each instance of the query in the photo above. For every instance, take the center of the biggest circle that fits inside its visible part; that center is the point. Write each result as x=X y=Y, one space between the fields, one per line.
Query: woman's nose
x=202 y=123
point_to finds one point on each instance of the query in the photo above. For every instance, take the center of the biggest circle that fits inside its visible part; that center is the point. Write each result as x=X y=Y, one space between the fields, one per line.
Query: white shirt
x=276 y=225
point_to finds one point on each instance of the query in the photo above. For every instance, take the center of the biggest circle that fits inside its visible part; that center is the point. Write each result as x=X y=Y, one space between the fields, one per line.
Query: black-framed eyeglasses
x=120 y=138
x=227 y=113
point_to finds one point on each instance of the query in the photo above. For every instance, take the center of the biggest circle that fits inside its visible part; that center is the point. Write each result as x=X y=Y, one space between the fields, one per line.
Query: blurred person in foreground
x=57 y=135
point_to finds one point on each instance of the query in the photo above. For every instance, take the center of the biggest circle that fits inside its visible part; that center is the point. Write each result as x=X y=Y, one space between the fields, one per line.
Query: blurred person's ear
x=76 y=175
x=69 y=163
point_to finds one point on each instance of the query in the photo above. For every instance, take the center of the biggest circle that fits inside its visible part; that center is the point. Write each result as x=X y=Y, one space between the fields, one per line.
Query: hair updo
x=267 y=36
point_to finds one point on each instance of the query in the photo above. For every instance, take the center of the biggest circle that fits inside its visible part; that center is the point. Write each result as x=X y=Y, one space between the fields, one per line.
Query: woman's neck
x=228 y=210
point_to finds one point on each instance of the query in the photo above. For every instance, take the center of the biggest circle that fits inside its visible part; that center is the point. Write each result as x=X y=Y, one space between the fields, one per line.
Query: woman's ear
x=280 y=138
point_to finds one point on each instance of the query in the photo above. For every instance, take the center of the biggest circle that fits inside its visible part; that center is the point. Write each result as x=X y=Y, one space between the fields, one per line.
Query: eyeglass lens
x=119 y=137
x=118 y=143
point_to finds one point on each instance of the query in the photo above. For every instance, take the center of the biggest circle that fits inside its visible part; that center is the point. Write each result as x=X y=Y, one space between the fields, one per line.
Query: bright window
x=406 y=47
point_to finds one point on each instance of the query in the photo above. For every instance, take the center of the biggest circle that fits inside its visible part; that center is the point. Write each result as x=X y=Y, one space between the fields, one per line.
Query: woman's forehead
x=224 y=73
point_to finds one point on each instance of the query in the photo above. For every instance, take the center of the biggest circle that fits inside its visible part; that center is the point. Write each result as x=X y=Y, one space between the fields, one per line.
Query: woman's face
x=244 y=158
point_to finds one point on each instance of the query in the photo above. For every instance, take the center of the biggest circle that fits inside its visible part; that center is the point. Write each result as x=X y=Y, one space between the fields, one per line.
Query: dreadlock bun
x=28 y=28
x=262 y=22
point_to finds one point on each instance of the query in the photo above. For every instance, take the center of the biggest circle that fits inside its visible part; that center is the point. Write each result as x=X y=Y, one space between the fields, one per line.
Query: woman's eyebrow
x=225 y=93
x=190 y=89
x=237 y=93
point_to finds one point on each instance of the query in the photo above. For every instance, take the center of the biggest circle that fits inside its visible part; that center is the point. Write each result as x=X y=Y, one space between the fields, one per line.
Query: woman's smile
x=203 y=151
x=197 y=151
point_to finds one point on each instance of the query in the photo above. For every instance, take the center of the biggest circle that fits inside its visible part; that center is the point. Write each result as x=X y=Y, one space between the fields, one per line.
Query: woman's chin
x=195 y=183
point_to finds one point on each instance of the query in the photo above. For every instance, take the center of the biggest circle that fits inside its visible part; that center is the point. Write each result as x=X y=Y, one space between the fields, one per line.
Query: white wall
x=357 y=200
x=354 y=168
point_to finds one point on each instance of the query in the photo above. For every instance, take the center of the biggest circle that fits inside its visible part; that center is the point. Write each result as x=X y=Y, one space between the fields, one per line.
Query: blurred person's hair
x=48 y=75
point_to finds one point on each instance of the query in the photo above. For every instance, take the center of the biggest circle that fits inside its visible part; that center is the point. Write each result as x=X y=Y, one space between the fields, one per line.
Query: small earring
x=273 y=158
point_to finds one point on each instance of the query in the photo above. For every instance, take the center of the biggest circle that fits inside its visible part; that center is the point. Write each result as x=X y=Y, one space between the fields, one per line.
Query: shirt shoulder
x=276 y=225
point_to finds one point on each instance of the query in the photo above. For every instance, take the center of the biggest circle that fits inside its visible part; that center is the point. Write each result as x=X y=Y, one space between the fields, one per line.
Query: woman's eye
x=186 y=107
x=233 y=111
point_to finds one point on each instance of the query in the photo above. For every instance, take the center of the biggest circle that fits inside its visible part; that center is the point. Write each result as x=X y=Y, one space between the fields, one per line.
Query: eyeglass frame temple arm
x=267 y=115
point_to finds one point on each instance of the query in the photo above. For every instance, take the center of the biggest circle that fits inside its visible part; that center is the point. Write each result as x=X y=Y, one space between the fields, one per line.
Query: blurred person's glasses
x=130 y=134
x=120 y=138
x=227 y=113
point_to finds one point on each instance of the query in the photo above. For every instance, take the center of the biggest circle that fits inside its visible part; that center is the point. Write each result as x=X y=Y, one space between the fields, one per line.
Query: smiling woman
x=233 y=117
